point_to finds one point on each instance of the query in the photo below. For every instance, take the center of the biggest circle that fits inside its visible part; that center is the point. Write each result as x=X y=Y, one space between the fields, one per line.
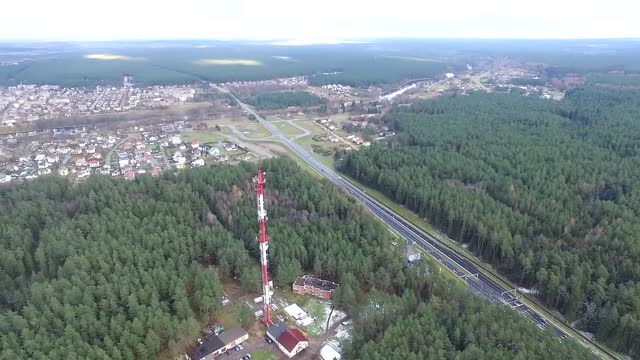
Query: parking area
x=250 y=347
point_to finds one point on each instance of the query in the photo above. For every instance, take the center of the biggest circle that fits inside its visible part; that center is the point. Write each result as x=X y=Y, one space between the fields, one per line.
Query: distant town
x=26 y=103
x=128 y=150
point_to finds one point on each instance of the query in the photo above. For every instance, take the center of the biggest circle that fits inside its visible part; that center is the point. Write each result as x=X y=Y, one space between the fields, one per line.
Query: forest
x=546 y=191
x=123 y=270
x=284 y=99
x=168 y=62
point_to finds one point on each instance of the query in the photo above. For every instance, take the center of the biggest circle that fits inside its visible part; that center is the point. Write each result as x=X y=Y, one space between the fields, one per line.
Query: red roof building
x=292 y=341
x=129 y=175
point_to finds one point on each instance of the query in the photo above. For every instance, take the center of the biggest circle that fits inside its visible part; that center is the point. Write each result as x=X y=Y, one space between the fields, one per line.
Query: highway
x=478 y=283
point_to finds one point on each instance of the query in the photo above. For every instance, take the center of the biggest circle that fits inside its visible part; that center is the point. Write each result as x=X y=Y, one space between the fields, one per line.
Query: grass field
x=287 y=129
x=263 y=355
x=253 y=130
x=272 y=118
x=311 y=126
x=307 y=142
x=203 y=136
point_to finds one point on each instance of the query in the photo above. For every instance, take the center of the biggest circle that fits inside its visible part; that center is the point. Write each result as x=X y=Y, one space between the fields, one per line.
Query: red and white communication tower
x=263 y=239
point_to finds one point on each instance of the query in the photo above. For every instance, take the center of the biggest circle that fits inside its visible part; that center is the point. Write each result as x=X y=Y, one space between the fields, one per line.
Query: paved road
x=107 y=159
x=305 y=132
x=478 y=283
x=165 y=159
x=95 y=102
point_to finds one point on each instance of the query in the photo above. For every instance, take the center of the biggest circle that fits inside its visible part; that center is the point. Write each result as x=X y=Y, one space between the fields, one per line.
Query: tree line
x=284 y=99
x=115 y=269
x=546 y=191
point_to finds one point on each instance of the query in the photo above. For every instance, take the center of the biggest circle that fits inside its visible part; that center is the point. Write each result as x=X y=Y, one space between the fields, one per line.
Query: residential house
x=63 y=171
x=229 y=146
x=197 y=163
x=83 y=173
x=129 y=175
x=175 y=140
x=289 y=340
x=292 y=341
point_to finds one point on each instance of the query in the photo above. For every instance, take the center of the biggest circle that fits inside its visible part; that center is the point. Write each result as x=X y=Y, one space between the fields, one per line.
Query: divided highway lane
x=478 y=283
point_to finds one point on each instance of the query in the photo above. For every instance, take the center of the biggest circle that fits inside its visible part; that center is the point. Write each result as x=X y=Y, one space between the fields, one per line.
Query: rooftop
x=276 y=330
x=212 y=344
x=232 y=334
x=290 y=338
x=316 y=283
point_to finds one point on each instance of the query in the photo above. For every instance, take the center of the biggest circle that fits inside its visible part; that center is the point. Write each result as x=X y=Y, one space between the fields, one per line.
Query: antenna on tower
x=263 y=239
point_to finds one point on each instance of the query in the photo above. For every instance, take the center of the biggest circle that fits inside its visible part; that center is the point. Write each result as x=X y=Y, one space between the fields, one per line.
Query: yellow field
x=412 y=58
x=243 y=62
x=110 y=57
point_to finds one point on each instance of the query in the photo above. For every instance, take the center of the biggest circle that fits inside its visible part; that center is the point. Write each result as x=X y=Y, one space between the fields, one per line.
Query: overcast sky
x=316 y=20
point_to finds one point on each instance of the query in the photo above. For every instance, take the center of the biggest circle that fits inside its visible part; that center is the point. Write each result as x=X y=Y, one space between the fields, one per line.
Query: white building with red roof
x=292 y=341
